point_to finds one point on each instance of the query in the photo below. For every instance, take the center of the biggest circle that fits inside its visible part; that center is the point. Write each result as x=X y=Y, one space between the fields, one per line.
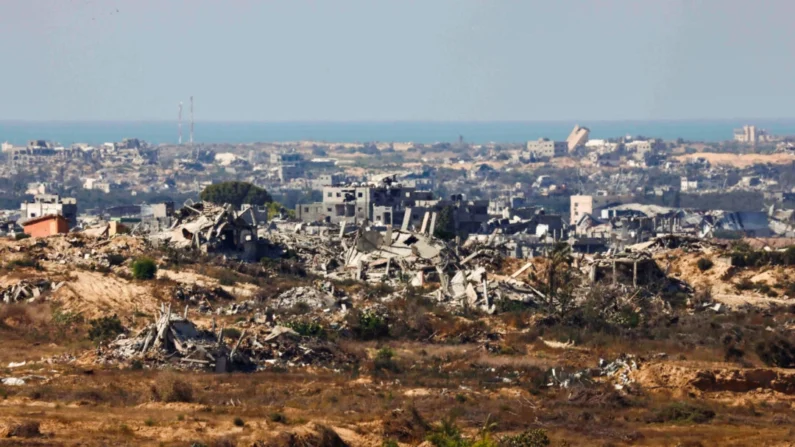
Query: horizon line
x=397 y=121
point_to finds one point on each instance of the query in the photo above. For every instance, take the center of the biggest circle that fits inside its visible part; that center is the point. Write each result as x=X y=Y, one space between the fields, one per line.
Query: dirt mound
x=681 y=380
x=739 y=160
x=94 y=294
x=741 y=381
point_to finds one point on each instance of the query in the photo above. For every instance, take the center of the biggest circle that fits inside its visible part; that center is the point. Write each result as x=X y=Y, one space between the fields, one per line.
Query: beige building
x=546 y=148
x=751 y=135
x=577 y=137
x=581 y=205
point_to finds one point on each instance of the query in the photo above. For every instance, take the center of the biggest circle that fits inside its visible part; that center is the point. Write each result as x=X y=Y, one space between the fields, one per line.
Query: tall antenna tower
x=191 y=120
x=180 y=123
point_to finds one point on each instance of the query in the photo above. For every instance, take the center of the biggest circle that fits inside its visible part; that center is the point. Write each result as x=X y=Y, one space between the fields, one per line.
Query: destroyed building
x=384 y=202
x=214 y=229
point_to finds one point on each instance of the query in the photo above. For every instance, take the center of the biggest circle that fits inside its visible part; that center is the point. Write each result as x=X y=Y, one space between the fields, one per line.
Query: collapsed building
x=215 y=229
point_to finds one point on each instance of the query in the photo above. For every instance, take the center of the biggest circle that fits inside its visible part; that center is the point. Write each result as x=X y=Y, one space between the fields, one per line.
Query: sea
x=160 y=132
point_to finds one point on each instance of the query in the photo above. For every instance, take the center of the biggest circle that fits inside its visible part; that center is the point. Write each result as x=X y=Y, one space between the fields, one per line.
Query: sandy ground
x=740 y=160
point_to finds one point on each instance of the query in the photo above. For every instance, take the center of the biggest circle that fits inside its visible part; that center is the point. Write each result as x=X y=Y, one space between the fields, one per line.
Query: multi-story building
x=384 y=202
x=686 y=184
x=468 y=215
x=328 y=180
x=50 y=204
x=546 y=148
x=751 y=135
x=289 y=165
x=577 y=137
x=582 y=204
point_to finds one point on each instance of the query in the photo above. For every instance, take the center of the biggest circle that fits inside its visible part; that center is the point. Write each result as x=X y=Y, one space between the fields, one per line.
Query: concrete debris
x=283 y=347
x=26 y=290
x=618 y=371
x=176 y=341
x=308 y=296
x=561 y=378
x=214 y=229
x=20 y=381
x=193 y=293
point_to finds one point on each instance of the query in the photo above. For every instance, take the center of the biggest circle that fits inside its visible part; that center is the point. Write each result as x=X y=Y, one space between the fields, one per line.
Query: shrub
x=239 y=422
x=704 y=264
x=683 y=412
x=144 y=268
x=447 y=434
x=29 y=429
x=23 y=262
x=308 y=328
x=116 y=259
x=776 y=351
x=20 y=236
x=105 y=328
x=170 y=388
x=745 y=284
x=406 y=426
x=529 y=438
x=149 y=422
x=384 y=361
x=369 y=325
x=277 y=417
x=232 y=333
x=227 y=278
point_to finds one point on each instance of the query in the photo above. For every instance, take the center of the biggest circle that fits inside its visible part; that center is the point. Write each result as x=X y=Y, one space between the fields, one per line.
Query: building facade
x=50 y=204
x=45 y=226
x=546 y=148
x=584 y=204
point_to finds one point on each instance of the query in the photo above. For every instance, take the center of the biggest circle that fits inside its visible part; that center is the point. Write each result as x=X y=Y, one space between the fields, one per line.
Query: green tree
x=445 y=224
x=235 y=193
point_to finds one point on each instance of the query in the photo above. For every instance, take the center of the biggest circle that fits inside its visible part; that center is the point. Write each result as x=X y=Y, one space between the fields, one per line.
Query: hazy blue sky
x=397 y=60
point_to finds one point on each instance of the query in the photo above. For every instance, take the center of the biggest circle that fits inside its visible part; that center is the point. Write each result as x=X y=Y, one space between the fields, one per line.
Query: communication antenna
x=180 y=123
x=191 y=120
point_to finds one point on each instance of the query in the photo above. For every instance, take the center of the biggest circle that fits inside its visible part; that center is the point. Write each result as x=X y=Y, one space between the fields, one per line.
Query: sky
x=396 y=60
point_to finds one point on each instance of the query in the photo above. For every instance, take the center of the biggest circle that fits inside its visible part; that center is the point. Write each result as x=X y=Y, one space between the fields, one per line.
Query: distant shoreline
x=18 y=132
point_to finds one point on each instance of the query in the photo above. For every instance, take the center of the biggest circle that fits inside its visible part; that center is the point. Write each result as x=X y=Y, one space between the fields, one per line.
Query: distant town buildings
x=288 y=166
x=383 y=203
x=752 y=135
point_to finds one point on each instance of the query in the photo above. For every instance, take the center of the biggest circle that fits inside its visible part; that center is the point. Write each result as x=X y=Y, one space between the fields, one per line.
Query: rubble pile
x=672 y=241
x=309 y=296
x=27 y=290
x=82 y=250
x=282 y=346
x=319 y=252
x=173 y=339
x=211 y=228
x=193 y=293
x=618 y=372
